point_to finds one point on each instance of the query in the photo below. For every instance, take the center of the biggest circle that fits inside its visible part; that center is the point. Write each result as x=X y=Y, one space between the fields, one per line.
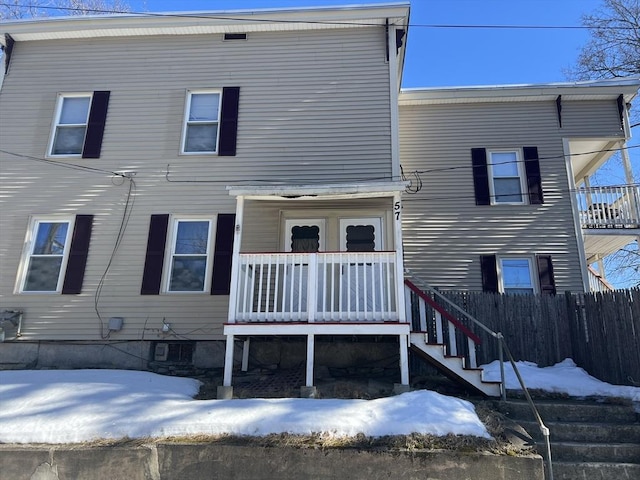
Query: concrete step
x=594 y=452
x=570 y=411
x=595 y=470
x=586 y=432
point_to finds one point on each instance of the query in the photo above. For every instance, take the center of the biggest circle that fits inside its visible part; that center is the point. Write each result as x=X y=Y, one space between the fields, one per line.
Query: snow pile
x=563 y=377
x=69 y=406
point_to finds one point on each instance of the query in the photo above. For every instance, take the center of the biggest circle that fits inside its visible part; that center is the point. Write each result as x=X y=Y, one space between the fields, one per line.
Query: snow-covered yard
x=68 y=406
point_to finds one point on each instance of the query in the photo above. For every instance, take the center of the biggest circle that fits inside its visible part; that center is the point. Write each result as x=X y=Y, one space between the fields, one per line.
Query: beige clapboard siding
x=444 y=231
x=314 y=107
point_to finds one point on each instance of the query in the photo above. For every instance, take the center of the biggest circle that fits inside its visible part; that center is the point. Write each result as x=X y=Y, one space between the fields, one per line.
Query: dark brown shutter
x=154 y=260
x=534 y=180
x=223 y=255
x=78 y=252
x=545 y=275
x=489 y=269
x=95 y=125
x=229 y=121
x=480 y=176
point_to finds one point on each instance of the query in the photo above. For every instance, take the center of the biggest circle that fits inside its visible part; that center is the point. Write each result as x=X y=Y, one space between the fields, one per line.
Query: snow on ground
x=563 y=377
x=69 y=406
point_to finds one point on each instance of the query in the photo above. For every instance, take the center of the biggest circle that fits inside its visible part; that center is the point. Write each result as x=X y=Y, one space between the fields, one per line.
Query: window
x=79 y=124
x=516 y=276
x=184 y=263
x=506 y=177
x=519 y=275
x=71 y=125
x=189 y=257
x=502 y=177
x=55 y=255
x=202 y=117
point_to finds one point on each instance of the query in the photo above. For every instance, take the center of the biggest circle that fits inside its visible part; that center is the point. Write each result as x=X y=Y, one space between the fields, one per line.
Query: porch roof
x=318 y=191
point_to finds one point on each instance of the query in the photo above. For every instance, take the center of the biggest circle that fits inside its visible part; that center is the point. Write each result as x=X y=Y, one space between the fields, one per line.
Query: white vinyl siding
x=507 y=179
x=314 y=108
x=445 y=233
x=70 y=125
x=45 y=256
x=201 y=122
x=189 y=260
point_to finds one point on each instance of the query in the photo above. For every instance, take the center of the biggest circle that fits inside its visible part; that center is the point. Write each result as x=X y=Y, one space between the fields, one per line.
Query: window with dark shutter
x=534 y=180
x=480 y=176
x=96 y=124
x=489 y=270
x=78 y=253
x=229 y=121
x=223 y=255
x=545 y=274
x=154 y=260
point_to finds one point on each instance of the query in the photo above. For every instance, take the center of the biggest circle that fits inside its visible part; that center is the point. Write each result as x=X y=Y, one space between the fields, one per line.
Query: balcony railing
x=609 y=207
x=597 y=283
x=317 y=287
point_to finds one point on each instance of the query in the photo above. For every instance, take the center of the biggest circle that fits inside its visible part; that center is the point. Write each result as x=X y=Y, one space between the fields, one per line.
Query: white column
x=245 y=354
x=235 y=261
x=397 y=240
x=310 y=358
x=228 y=362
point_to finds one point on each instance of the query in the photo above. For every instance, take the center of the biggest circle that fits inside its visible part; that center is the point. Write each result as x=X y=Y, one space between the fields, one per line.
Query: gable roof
x=205 y=22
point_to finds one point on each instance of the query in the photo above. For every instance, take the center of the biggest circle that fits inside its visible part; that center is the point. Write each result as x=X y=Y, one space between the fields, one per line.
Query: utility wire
x=311 y=22
x=72 y=166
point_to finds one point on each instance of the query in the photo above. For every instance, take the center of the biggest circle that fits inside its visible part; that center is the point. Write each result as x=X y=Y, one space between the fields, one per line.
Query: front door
x=362 y=280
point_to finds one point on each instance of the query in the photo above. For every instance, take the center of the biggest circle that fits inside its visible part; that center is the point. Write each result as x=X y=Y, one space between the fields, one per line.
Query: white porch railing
x=609 y=207
x=316 y=287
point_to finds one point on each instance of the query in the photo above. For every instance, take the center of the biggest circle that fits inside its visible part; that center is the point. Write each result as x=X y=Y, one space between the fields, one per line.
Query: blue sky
x=460 y=56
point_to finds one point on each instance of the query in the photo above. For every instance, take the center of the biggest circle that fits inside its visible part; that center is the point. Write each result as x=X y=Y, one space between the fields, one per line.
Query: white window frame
x=186 y=123
x=29 y=245
x=56 y=123
x=521 y=176
x=533 y=272
x=170 y=253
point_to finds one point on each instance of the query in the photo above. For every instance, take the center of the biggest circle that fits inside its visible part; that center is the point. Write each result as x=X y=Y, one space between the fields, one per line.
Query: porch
x=316 y=260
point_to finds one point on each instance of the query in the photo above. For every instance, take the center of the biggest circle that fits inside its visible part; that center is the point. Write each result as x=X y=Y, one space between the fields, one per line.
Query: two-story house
x=176 y=187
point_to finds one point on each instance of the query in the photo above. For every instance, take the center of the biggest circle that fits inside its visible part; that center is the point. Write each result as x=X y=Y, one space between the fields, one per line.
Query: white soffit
x=207 y=22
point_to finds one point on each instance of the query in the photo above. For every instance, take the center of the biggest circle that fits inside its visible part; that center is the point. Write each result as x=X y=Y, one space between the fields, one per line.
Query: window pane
x=305 y=239
x=43 y=274
x=204 y=107
x=201 y=138
x=504 y=164
x=74 y=110
x=187 y=274
x=50 y=238
x=507 y=189
x=192 y=238
x=361 y=238
x=69 y=140
x=516 y=275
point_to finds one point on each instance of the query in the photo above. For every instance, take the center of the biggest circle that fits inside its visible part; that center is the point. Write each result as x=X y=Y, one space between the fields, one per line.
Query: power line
x=72 y=166
x=312 y=22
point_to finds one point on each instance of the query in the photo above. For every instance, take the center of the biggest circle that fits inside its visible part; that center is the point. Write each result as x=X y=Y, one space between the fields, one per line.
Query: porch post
x=225 y=391
x=397 y=240
x=308 y=390
x=403 y=386
x=235 y=261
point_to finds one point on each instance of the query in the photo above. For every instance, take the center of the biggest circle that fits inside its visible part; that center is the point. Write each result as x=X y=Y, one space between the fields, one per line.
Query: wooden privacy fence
x=600 y=331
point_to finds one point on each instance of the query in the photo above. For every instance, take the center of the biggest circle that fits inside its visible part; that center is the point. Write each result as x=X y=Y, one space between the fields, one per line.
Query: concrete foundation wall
x=194 y=461
x=138 y=355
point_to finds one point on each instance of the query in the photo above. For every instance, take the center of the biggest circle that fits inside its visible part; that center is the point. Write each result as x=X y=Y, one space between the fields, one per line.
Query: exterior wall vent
x=235 y=36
